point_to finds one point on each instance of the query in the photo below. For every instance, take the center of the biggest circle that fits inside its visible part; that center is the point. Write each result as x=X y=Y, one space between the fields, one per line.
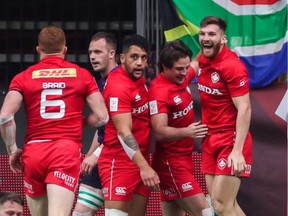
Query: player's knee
x=207 y=212
x=75 y=213
x=90 y=199
x=115 y=212
x=219 y=207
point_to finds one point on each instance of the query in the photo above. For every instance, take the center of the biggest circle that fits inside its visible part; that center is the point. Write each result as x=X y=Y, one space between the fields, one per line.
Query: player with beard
x=223 y=84
x=126 y=176
x=102 y=51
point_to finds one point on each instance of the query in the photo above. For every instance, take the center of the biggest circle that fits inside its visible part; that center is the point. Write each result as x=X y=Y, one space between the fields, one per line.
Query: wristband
x=12 y=149
x=97 y=152
x=6 y=119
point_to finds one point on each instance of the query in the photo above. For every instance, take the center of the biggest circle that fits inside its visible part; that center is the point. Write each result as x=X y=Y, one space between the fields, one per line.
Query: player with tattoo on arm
x=125 y=173
x=172 y=120
x=102 y=51
x=53 y=92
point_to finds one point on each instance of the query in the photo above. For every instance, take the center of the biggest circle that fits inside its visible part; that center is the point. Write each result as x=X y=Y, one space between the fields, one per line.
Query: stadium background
x=265 y=193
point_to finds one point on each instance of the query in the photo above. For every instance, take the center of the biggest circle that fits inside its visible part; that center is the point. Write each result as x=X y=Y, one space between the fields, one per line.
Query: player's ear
x=122 y=58
x=65 y=50
x=38 y=49
x=223 y=39
x=112 y=54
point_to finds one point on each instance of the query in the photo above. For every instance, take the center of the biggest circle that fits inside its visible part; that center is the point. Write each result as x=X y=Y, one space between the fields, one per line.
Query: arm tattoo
x=131 y=142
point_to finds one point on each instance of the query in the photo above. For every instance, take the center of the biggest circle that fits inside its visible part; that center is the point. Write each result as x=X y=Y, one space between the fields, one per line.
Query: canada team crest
x=215 y=77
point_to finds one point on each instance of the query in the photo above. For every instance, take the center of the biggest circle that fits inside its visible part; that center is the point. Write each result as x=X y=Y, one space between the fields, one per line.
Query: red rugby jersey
x=54 y=92
x=176 y=100
x=219 y=80
x=124 y=95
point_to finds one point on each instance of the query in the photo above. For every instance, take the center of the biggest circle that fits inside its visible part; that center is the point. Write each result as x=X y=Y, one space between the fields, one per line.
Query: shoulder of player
x=116 y=84
x=232 y=64
x=159 y=90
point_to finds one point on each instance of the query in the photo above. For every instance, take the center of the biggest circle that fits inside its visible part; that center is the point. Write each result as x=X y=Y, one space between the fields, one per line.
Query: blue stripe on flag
x=264 y=69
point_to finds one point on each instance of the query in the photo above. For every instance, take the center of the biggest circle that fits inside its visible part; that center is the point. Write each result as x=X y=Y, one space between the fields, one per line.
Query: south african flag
x=256 y=31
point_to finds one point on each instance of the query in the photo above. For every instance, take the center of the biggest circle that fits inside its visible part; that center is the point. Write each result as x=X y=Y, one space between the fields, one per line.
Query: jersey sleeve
x=157 y=101
x=117 y=97
x=17 y=83
x=90 y=82
x=237 y=79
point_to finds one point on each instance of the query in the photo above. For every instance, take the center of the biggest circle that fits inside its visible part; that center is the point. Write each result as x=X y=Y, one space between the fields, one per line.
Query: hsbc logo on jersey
x=138 y=110
x=208 y=90
x=120 y=191
x=184 y=112
x=54 y=72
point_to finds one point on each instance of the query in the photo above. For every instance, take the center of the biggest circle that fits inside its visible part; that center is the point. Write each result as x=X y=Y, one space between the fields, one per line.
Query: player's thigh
x=38 y=205
x=60 y=200
x=121 y=205
x=209 y=179
x=171 y=208
x=138 y=205
x=225 y=188
x=193 y=204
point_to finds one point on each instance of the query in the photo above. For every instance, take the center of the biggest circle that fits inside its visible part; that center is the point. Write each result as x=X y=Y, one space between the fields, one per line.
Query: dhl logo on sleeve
x=54 y=72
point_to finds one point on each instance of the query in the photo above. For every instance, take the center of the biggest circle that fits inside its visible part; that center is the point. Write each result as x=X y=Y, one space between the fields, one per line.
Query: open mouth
x=95 y=63
x=139 y=70
x=207 y=46
x=180 y=79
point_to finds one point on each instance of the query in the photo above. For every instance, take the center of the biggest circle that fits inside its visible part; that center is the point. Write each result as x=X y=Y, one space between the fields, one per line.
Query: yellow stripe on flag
x=176 y=33
x=193 y=29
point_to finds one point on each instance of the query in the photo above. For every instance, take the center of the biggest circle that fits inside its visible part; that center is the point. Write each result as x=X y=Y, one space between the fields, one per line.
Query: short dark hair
x=109 y=38
x=208 y=20
x=11 y=196
x=136 y=40
x=171 y=52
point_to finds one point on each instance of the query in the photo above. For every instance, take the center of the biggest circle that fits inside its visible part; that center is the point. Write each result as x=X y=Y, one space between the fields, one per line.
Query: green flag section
x=175 y=28
x=256 y=31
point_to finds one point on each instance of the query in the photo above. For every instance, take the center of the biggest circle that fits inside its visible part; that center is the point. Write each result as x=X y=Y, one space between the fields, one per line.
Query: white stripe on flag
x=261 y=49
x=251 y=9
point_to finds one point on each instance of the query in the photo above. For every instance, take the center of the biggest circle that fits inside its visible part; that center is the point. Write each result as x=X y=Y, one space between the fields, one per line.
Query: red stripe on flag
x=252 y=2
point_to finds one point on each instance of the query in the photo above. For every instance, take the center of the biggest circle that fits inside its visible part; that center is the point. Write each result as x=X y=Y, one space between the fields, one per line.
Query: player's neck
x=45 y=55
x=109 y=69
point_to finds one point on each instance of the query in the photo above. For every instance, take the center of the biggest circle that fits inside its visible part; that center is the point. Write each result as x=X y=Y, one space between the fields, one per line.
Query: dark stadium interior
x=20 y=22
x=265 y=193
